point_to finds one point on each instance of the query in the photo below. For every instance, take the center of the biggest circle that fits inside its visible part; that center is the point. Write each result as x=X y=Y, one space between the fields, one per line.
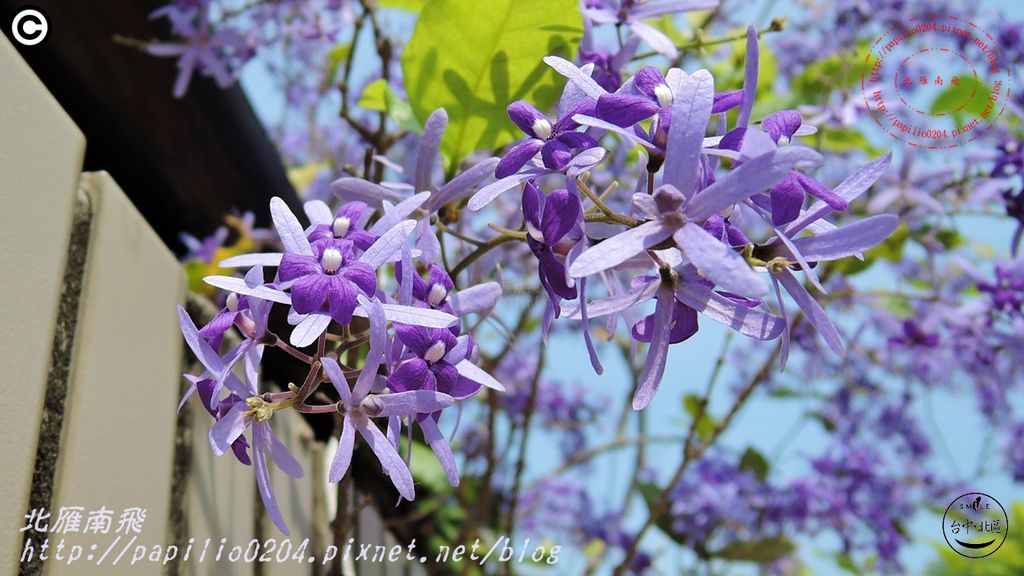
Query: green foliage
x=651 y=494
x=841 y=71
x=760 y=551
x=843 y=140
x=379 y=96
x=850 y=566
x=969 y=99
x=692 y=404
x=474 y=57
x=730 y=71
x=407 y=5
x=373 y=96
x=336 y=58
x=1007 y=561
x=755 y=463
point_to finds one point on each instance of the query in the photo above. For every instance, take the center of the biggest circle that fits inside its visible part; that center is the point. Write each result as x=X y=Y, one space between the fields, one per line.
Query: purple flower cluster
x=216 y=38
x=418 y=362
x=850 y=489
x=692 y=228
x=562 y=505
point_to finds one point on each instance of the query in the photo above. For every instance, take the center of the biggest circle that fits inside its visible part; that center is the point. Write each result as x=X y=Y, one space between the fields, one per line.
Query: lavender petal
x=619 y=248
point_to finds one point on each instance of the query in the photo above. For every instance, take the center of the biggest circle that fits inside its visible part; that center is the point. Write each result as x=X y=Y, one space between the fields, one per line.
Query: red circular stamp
x=937 y=82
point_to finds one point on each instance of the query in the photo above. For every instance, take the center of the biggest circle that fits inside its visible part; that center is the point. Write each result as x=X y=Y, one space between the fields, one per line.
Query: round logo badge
x=29 y=26
x=975 y=525
x=936 y=82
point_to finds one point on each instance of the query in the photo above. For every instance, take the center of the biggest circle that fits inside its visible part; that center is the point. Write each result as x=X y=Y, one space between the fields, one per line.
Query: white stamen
x=783 y=140
x=1010 y=169
x=331 y=260
x=340 y=226
x=534 y=233
x=542 y=128
x=435 y=352
x=437 y=294
x=1011 y=146
x=664 y=95
x=232 y=302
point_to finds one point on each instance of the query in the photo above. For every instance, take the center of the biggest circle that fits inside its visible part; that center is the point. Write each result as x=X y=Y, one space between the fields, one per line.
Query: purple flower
x=253 y=324
x=218 y=408
x=787 y=197
x=1007 y=292
x=347 y=224
x=250 y=410
x=205 y=249
x=1014 y=202
x=676 y=291
x=631 y=13
x=214 y=330
x=782 y=126
x=427 y=369
x=359 y=407
x=549 y=220
x=654 y=96
x=203 y=48
x=690 y=99
x=437 y=292
x=834 y=244
x=649 y=94
x=330 y=276
x=435 y=360
x=672 y=216
x=606 y=73
x=915 y=335
x=434 y=291
x=557 y=142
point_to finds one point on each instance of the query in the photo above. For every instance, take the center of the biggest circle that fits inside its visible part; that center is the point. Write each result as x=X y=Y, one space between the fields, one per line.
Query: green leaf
x=379 y=96
x=759 y=551
x=844 y=140
x=784 y=392
x=692 y=404
x=970 y=97
x=892 y=248
x=949 y=238
x=651 y=494
x=335 y=58
x=401 y=112
x=845 y=561
x=407 y=5
x=475 y=57
x=754 y=462
x=841 y=71
x=373 y=96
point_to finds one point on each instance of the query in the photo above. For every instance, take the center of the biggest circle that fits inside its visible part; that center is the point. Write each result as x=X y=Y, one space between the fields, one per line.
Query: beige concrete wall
x=119 y=422
x=41 y=154
x=222 y=493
